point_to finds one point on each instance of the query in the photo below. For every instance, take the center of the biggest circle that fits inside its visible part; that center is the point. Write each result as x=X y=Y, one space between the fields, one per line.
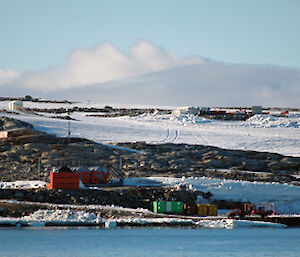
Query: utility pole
x=120 y=163
x=39 y=166
x=121 y=175
x=69 y=125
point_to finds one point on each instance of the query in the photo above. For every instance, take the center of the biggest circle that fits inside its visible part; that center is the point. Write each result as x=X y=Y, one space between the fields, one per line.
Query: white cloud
x=104 y=63
x=8 y=75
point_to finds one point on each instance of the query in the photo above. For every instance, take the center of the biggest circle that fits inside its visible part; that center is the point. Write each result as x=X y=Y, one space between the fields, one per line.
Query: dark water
x=149 y=242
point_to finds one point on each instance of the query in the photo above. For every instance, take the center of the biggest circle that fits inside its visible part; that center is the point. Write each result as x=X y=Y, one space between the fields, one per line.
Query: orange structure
x=64 y=180
x=260 y=208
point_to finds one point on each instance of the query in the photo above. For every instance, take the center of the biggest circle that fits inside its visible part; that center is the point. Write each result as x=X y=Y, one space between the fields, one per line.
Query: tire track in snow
x=171 y=137
x=168 y=135
x=176 y=135
x=206 y=142
x=164 y=139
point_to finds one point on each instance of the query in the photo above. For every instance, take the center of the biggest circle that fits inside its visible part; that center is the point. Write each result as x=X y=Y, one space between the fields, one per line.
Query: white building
x=186 y=110
x=15 y=105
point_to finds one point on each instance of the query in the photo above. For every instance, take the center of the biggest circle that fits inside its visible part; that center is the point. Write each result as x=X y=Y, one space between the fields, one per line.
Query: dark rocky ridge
x=10 y=123
x=133 y=197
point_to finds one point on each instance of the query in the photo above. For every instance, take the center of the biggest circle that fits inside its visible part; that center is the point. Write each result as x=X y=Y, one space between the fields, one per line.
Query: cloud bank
x=213 y=84
x=147 y=74
x=104 y=63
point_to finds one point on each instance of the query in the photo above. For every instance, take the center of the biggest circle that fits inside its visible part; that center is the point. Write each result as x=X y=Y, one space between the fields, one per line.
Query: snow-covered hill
x=260 y=133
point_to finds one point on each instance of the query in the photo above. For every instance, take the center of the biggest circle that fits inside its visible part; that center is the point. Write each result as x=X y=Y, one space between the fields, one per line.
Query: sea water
x=66 y=241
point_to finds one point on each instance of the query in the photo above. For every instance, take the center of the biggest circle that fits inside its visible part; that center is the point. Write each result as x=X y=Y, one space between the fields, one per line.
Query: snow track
x=177 y=132
x=172 y=136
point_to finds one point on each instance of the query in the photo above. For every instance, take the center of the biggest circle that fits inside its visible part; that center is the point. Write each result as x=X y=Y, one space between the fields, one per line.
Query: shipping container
x=207 y=209
x=202 y=209
x=168 y=207
x=159 y=206
x=212 y=210
x=177 y=207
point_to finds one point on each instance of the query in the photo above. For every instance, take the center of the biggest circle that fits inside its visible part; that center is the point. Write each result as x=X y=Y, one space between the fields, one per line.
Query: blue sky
x=36 y=34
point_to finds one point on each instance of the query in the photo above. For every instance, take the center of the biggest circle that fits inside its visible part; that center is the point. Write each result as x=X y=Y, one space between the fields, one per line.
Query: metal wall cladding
x=168 y=206
x=177 y=207
x=207 y=209
x=213 y=210
x=202 y=209
x=159 y=207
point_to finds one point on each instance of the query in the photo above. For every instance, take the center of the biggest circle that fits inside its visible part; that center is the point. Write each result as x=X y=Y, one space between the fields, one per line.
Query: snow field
x=260 y=133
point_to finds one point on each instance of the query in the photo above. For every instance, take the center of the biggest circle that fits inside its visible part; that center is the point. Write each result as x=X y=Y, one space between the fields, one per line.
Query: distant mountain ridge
x=205 y=84
x=201 y=84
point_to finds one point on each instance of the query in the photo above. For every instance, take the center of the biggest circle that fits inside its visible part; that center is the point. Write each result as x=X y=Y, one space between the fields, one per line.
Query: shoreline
x=112 y=224
x=57 y=215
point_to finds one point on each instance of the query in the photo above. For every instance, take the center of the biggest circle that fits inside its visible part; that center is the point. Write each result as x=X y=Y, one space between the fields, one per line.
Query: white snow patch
x=183 y=119
x=110 y=224
x=247 y=223
x=60 y=216
x=32 y=184
x=145 y=221
x=271 y=121
x=223 y=223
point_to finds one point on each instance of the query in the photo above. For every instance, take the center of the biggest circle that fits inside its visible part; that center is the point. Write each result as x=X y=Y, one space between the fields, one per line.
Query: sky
x=67 y=39
x=36 y=34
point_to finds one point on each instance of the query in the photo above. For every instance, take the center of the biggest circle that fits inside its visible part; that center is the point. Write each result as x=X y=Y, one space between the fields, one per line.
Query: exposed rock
x=19 y=195
x=10 y=123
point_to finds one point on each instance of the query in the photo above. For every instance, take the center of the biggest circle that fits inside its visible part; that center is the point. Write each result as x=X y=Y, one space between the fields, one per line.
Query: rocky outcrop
x=10 y=123
x=133 y=197
x=193 y=160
